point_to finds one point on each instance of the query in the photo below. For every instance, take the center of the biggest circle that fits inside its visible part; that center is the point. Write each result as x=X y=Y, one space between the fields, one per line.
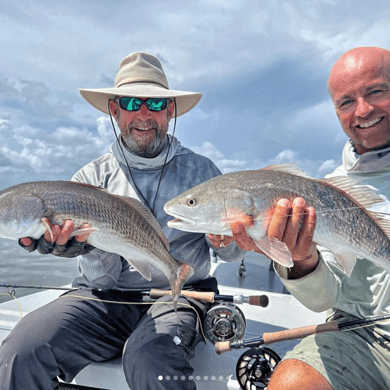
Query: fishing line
x=127 y=163
x=329 y=211
x=12 y=295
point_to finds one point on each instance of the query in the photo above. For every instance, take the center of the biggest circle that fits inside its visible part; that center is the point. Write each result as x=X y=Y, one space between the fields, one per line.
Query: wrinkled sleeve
x=319 y=290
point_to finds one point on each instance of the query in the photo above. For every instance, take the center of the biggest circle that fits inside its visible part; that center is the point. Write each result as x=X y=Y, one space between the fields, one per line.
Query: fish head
x=210 y=207
x=199 y=210
x=20 y=214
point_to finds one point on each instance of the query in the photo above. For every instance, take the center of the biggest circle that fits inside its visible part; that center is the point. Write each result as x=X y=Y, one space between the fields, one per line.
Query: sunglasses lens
x=134 y=104
x=130 y=103
x=157 y=104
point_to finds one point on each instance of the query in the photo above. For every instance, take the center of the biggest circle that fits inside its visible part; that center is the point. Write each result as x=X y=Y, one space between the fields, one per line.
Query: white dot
x=198 y=378
x=183 y=377
x=206 y=378
x=220 y=378
x=160 y=378
x=190 y=377
x=213 y=377
x=167 y=377
x=175 y=378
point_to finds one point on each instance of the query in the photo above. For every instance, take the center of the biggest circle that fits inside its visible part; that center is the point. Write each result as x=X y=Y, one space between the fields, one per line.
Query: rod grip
x=222 y=347
x=199 y=296
x=299 y=333
x=259 y=300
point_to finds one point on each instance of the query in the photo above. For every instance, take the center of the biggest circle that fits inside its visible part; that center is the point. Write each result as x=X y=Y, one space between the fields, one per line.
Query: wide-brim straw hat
x=141 y=75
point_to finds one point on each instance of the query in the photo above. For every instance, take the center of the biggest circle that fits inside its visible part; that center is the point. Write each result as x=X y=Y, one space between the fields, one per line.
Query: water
x=20 y=267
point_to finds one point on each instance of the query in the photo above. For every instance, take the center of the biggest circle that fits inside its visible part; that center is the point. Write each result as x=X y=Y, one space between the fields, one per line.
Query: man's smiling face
x=143 y=132
x=360 y=89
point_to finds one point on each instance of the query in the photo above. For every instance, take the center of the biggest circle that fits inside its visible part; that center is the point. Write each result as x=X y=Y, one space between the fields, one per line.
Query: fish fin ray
x=276 y=250
x=144 y=268
x=47 y=227
x=288 y=168
x=383 y=223
x=363 y=196
x=347 y=260
x=147 y=214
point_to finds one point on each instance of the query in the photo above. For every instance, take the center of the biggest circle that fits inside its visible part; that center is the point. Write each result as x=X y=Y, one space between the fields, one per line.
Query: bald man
x=359 y=85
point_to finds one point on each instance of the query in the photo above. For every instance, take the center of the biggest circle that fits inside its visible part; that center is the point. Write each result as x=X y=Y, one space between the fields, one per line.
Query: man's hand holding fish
x=292 y=224
x=359 y=85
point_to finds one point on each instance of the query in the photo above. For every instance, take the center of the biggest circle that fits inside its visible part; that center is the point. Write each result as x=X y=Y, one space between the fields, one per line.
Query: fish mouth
x=180 y=221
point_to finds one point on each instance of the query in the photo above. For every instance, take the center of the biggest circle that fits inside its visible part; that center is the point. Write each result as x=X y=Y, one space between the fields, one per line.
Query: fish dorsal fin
x=288 y=168
x=147 y=214
x=363 y=194
x=365 y=197
x=88 y=185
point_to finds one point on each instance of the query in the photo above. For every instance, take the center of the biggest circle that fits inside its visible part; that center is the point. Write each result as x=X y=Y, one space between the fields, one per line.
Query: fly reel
x=224 y=322
x=255 y=367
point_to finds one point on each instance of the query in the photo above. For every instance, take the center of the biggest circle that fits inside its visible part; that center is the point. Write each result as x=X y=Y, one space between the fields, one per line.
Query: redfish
x=344 y=224
x=118 y=224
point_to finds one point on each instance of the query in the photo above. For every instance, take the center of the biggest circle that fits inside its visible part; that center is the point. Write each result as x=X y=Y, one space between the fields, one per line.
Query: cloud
x=225 y=165
x=30 y=152
x=315 y=168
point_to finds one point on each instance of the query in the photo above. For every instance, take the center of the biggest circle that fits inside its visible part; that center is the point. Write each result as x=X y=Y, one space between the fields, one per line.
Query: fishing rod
x=210 y=297
x=7 y=285
x=224 y=321
x=296 y=333
x=256 y=365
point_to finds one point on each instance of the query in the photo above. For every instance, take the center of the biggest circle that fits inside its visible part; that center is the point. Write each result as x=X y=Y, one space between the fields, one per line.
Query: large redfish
x=118 y=225
x=344 y=224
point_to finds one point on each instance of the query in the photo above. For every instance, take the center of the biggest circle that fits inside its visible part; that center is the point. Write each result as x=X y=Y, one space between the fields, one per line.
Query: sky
x=261 y=65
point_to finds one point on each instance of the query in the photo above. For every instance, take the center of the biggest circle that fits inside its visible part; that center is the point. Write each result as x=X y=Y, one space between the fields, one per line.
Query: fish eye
x=191 y=202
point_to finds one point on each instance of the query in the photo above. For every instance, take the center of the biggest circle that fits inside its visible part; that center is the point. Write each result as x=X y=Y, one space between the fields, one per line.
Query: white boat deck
x=211 y=370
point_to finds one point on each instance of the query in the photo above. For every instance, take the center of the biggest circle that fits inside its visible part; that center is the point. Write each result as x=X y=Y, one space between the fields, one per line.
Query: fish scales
x=118 y=225
x=343 y=222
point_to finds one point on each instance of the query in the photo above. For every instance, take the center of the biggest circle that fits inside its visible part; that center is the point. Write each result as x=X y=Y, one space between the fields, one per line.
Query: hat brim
x=185 y=101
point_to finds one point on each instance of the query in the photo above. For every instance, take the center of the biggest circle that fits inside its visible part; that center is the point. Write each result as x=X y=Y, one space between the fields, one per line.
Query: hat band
x=141 y=82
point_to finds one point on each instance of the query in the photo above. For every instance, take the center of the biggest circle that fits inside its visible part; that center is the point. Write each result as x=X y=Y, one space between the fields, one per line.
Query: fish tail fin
x=184 y=272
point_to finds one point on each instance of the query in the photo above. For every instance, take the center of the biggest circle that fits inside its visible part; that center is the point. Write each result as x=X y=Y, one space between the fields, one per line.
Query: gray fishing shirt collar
x=124 y=156
x=373 y=161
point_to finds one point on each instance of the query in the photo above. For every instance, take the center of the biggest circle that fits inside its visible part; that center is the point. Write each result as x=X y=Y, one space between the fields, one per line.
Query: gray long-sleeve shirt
x=183 y=170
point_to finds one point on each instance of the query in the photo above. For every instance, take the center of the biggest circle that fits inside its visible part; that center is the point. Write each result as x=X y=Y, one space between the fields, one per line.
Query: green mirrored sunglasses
x=134 y=103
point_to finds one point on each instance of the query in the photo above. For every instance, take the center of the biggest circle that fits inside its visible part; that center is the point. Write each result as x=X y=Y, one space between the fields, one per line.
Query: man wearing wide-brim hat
x=145 y=163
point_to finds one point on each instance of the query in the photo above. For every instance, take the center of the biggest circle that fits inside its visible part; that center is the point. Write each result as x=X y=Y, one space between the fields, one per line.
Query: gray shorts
x=356 y=359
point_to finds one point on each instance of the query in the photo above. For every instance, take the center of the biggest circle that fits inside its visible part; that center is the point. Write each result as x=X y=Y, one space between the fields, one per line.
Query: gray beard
x=148 y=151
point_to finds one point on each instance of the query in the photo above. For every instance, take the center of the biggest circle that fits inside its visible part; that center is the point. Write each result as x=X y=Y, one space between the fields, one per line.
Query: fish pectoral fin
x=347 y=261
x=275 y=250
x=144 y=268
x=80 y=232
x=47 y=227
